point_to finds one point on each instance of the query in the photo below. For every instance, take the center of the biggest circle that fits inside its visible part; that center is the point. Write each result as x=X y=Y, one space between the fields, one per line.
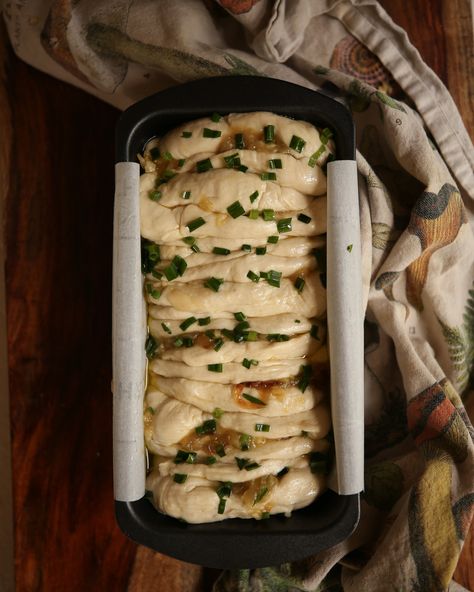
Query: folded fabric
x=416 y=181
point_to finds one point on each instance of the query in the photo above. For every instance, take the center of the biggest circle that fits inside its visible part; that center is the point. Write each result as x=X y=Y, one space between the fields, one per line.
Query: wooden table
x=56 y=155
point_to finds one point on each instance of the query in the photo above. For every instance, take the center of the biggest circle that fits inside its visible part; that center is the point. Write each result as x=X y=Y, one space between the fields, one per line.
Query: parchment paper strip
x=345 y=325
x=128 y=338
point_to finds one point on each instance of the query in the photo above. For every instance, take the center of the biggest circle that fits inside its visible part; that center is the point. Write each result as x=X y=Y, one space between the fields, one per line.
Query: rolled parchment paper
x=128 y=338
x=345 y=326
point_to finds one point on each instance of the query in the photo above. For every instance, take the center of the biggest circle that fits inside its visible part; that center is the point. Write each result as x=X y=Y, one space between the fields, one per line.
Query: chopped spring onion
x=218 y=344
x=213 y=283
x=231 y=161
x=214 y=367
x=154 y=195
x=186 y=194
x=179 y=477
x=250 y=336
x=208 y=427
x=284 y=225
x=261 y=493
x=204 y=321
x=349 y=248
x=268 y=176
x=245 y=441
x=242 y=168
x=220 y=251
x=204 y=165
x=177 y=267
x=299 y=284
x=150 y=253
x=187 y=323
x=217 y=413
x=254 y=400
x=235 y=209
x=253 y=197
x=188 y=341
x=195 y=248
x=195 y=224
x=153 y=292
x=262 y=427
x=185 y=456
x=241 y=326
x=277 y=337
x=239 y=316
x=269 y=134
x=297 y=143
x=260 y=250
x=189 y=240
x=325 y=135
x=221 y=506
x=216 y=117
x=272 y=240
x=241 y=462
x=150 y=347
x=275 y=163
x=253 y=214
x=167 y=155
x=246 y=248
x=220 y=450
x=304 y=218
x=268 y=215
x=305 y=377
x=315 y=332
x=210 y=460
x=166 y=328
x=252 y=466
x=178 y=342
x=313 y=159
x=273 y=278
x=155 y=153
x=169 y=175
x=246 y=363
x=225 y=489
x=239 y=141
x=253 y=276
x=181 y=161
x=186 y=134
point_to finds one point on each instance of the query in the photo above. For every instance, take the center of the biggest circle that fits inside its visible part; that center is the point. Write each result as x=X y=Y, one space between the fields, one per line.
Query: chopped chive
x=260 y=250
x=195 y=248
x=228 y=333
x=218 y=344
x=283 y=472
x=210 y=333
x=246 y=248
x=241 y=326
x=246 y=363
x=297 y=143
x=156 y=274
x=268 y=176
x=304 y=218
x=272 y=240
x=155 y=153
x=187 y=323
x=313 y=159
x=273 y=278
x=253 y=197
x=213 y=283
x=214 y=367
x=154 y=195
x=208 y=133
x=242 y=168
x=275 y=163
x=262 y=427
x=168 y=174
x=167 y=155
x=299 y=284
x=204 y=321
x=221 y=506
x=268 y=215
x=185 y=456
x=239 y=316
x=250 y=336
x=186 y=194
x=252 y=466
x=315 y=332
x=325 y=135
x=253 y=214
x=253 y=276
x=204 y=165
x=269 y=134
x=261 y=493
x=297 y=321
x=217 y=413
x=186 y=134
x=150 y=347
x=216 y=117
x=239 y=141
x=224 y=490
x=277 y=337
x=180 y=264
x=171 y=272
x=235 y=209
x=188 y=341
x=208 y=427
x=305 y=377
x=349 y=248
x=220 y=251
x=181 y=161
x=244 y=441
x=284 y=225
x=241 y=462
x=179 y=477
x=189 y=240
x=220 y=450
x=252 y=399
x=232 y=160
x=210 y=460
x=153 y=292
x=195 y=224
x=166 y=328
x=178 y=342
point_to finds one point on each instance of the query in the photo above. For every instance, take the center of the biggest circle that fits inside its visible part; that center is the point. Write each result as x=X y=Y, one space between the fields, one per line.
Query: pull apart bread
x=236 y=412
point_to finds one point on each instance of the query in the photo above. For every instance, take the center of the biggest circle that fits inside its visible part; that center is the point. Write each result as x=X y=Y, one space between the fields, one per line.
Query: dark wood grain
x=58 y=270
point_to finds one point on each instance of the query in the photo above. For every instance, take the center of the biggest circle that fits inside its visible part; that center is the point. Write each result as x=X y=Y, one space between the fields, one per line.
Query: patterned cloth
x=415 y=164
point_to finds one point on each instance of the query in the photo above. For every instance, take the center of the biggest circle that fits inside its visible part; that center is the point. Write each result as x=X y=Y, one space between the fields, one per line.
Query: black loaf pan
x=331 y=518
